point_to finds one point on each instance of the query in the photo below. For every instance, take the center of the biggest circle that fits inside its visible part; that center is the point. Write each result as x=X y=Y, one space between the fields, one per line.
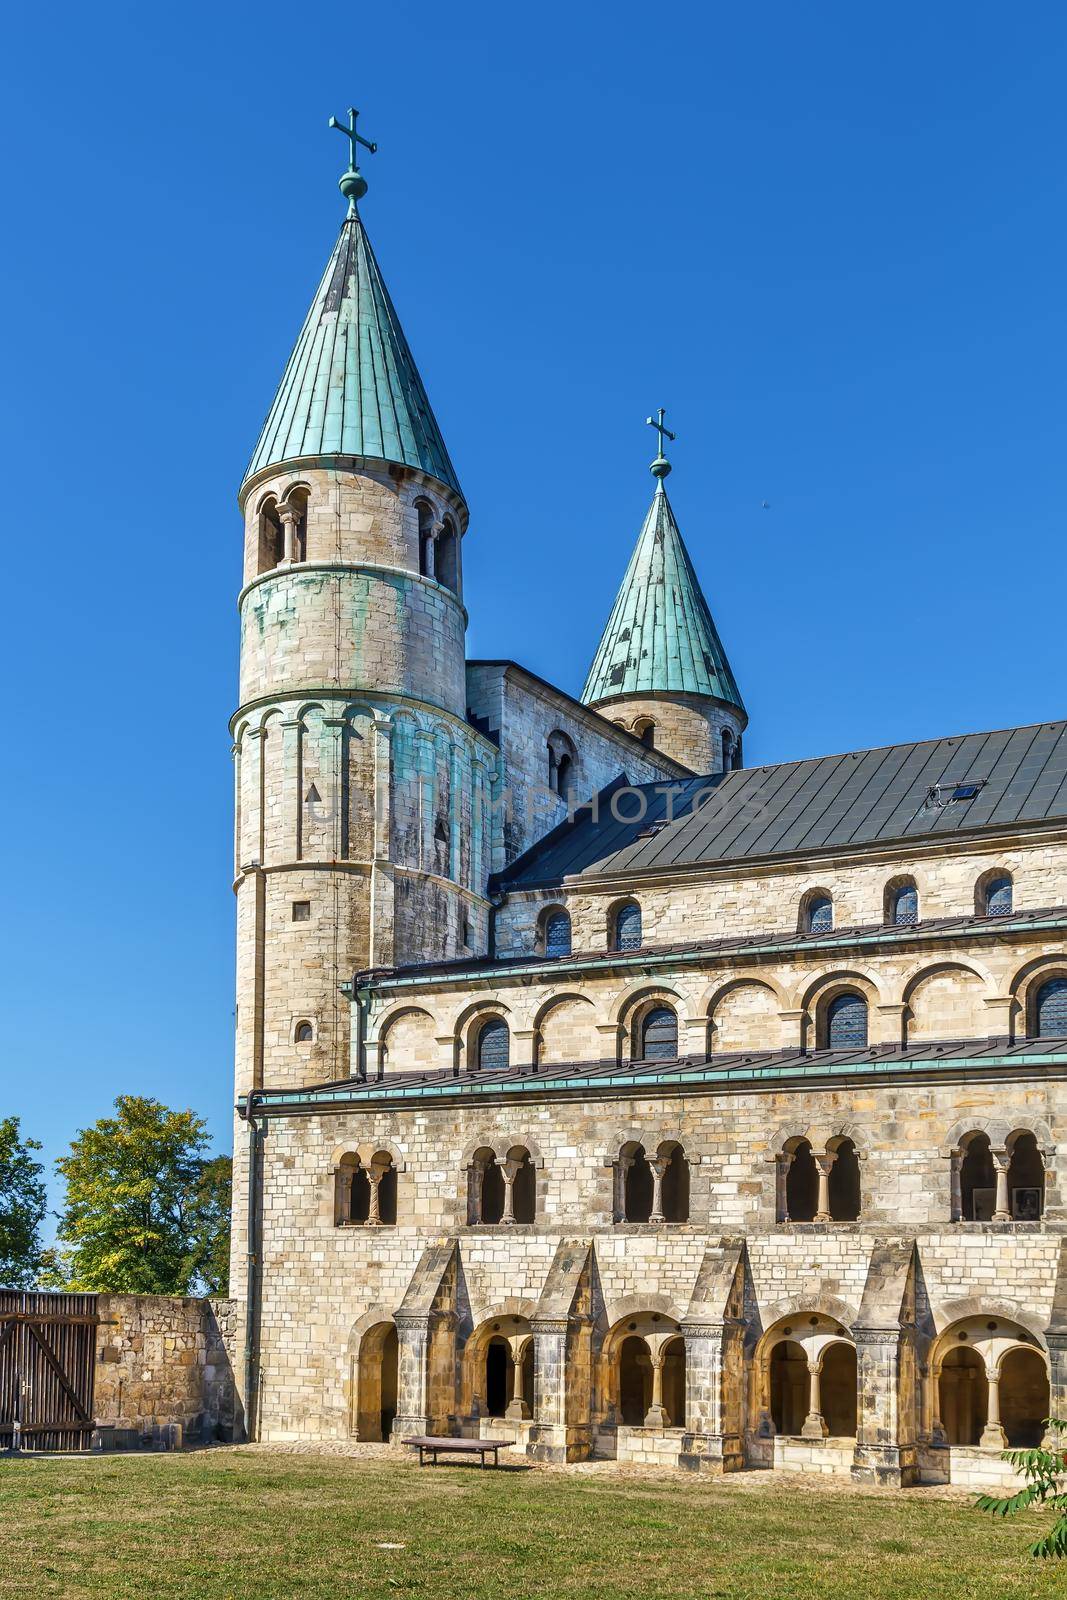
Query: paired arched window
x=502 y=1191
x=1050 y=1010
x=904 y=906
x=494 y=1046
x=823 y=1188
x=820 y=914
x=659 y=1035
x=627 y=929
x=656 y=1190
x=557 y=934
x=366 y=1195
x=998 y=896
x=975 y=1182
x=846 y=1022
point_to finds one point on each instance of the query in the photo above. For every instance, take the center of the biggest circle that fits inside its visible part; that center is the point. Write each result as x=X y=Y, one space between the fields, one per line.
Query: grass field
x=251 y=1525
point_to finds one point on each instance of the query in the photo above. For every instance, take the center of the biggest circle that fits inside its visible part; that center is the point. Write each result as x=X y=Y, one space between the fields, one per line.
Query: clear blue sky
x=830 y=238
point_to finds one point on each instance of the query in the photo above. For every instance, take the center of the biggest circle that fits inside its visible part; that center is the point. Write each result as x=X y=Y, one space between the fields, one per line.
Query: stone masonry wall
x=165 y=1364
x=687 y=728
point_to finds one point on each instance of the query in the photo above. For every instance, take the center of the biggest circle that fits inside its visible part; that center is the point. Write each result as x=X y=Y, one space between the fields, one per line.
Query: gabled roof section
x=971 y=783
x=660 y=637
x=351 y=387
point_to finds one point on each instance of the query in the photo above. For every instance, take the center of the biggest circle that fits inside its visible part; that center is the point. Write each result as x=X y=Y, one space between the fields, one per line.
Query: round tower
x=357 y=773
x=660 y=669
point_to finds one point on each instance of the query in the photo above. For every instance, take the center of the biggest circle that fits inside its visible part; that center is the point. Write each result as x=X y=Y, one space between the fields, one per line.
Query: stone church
x=596 y=1091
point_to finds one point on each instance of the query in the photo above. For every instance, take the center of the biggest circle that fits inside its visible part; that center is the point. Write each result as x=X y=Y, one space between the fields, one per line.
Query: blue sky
x=829 y=238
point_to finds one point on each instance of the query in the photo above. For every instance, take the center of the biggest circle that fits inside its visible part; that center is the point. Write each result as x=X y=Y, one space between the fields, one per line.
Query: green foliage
x=1045 y=1472
x=22 y=1207
x=146 y=1210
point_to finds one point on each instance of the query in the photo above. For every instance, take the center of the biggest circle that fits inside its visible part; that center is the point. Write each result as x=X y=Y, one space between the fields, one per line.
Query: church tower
x=660 y=669
x=357 y=773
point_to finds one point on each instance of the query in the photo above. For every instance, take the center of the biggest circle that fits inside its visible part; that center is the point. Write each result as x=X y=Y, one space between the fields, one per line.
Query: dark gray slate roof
x=897 y=792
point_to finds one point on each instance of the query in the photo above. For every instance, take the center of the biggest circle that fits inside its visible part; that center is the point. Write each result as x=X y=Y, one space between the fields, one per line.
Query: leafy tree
x=212 y=1224
x=22 y=1207
x=145 y=1208
x=1045 y=1472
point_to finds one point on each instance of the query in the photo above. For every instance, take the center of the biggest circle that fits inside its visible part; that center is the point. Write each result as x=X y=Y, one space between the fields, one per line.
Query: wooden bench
x=429 y=1445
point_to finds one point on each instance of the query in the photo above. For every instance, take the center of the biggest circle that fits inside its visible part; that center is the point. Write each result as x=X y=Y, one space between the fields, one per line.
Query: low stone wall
x=832 y=1457
x=165 y=1371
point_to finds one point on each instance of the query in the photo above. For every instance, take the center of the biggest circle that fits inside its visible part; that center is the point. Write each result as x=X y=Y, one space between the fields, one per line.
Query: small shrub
x=1045 y=1472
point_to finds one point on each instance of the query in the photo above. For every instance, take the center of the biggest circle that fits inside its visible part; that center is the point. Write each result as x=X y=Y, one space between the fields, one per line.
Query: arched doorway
x=1025 y=1398
x=635 y=1381
x=789 y=1387
x=964 y=1395
x=838 y=1390
x=674 y=1382
x=377 y=1383
x=499 y=1376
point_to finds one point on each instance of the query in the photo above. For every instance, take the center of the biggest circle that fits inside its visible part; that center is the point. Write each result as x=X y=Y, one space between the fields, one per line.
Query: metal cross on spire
x=661 y=466
x=352 y=183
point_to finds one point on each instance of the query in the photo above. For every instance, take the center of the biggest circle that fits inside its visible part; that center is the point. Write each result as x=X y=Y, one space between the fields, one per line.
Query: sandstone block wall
x=164 y=1362
x=687 y=728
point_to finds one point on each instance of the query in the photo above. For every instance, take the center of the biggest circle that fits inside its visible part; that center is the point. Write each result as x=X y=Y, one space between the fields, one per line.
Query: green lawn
x=240 y=1525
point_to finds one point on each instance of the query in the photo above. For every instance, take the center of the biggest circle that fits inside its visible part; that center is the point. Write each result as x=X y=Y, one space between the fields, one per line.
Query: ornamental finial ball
x=353 y=185
x=660 y=468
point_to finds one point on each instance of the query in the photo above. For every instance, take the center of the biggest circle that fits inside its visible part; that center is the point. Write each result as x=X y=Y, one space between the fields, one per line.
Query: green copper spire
x=660 y=638
x=351 y=387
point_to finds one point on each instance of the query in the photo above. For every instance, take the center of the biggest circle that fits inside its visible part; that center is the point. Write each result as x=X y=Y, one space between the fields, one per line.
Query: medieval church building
x=594 y=1090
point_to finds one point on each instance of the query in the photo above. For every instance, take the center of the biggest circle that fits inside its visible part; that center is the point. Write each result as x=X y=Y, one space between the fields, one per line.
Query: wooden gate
x=47 y=1363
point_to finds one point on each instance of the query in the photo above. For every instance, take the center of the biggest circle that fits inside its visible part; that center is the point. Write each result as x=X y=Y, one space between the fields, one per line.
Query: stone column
x=814 y=1423
x=475 y=1178
x=622 y=1167
x=374 y=1178
x=412 y=1396
x=656 y=1415
x=782 y=1163
x=955 y=1186
x=993 y=1435
x=1002 y=1210
x=1056 y=1339
x=823 y=1162
x=518 y=1409
x=344 y=1193
x=937 y=1435
x=562 y=1402
x=659 y=1165
x=289 y=518
x=509 y=1169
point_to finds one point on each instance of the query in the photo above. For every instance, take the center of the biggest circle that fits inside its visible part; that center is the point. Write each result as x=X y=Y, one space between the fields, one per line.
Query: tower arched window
x=998 y=896
x=904 y=906
x=294 y=513
x=645 y=729
x=820 y=914
x=271 y=537
x=627 y=928
x=557 y=934
x=659 y=1035
x=846 y=1022
x=494 y=1046
x=1050 y=1010
x=446 y=556
x=727 y=749
x=426 y=550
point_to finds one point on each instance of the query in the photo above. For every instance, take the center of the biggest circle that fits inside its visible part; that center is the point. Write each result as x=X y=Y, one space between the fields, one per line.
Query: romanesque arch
x=565 y=1031
x=946 y=1000
x=744 y=1016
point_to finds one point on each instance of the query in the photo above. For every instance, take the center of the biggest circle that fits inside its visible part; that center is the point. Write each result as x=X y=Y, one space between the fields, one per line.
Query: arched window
x=904 y=906
x=675 y=1184
x=636 y=1185
x=560 y=764
x=727 y=749
x=1026 y=1179
x=295 y=507
x=659 y=1035
x=488 y=1189
x=304 y=1033
x=978 y=1179
x=628 y=927
x=271 y=538
x=523 y=1186
x=801 y=1184
x=1050 y=1010
x=557 y=934
x=998 y=897
x=426 y=553
x=383 y=1170
x=446 y=556
x=846 y=1022
x=844 y=1183
x=494 y=1046
x=645 y=730
x=820 y=914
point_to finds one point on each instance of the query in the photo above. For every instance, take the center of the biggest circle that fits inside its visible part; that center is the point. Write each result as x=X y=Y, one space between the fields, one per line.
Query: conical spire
x=660 y=638
x=351 y=386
